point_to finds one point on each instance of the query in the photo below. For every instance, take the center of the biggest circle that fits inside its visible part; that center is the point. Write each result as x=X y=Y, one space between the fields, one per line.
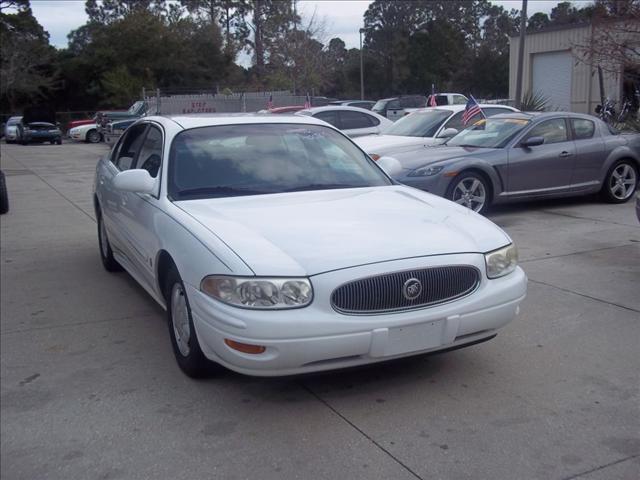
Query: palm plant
x=534 y=102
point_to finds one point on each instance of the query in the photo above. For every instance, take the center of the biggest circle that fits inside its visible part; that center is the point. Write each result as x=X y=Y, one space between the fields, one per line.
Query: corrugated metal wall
x=585 y=90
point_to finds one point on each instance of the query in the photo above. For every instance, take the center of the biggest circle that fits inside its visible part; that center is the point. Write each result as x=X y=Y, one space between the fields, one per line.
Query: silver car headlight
x=501 y=262
x=259 y=292
x=426 y=171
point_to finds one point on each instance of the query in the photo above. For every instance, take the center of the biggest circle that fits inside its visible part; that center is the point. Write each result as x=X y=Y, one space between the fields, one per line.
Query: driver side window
x=150 y=156
x=125 y=153
x=553 y=131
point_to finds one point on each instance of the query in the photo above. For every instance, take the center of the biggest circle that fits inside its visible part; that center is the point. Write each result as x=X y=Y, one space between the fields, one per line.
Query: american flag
x=307 y=101
x=432 y=97
x=471 y=110
x=270 y=102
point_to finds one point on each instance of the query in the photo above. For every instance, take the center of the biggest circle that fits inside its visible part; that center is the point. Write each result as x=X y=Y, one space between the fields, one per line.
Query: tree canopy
x=129 y=44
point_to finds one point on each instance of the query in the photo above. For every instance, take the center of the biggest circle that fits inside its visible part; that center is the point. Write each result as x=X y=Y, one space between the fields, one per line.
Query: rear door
x=356 y=124
x=547 y=168
x=590 y=153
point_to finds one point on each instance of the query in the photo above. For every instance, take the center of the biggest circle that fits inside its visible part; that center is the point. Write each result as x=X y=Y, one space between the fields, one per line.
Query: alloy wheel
x=471 y=193
x=180 y=319
x=93 y=136
x=623 y=181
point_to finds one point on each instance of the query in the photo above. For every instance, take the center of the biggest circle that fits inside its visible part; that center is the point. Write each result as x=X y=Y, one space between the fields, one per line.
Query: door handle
x=566 y=154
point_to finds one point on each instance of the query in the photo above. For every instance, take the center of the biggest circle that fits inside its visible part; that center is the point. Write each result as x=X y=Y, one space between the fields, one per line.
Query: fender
x=491 y=171
x=622 y=151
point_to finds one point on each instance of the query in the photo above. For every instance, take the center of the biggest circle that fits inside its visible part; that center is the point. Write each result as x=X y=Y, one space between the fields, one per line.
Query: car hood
x=391 y=144
x=307 y=233
x=419 y=157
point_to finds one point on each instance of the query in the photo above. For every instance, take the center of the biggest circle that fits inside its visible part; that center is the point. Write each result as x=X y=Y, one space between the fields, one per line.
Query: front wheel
x=470 y=190
x=184 y=340
x=93 y=136
x=621 y=181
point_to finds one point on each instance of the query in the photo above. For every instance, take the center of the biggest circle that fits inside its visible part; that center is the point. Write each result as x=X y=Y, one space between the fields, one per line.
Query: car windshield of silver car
x=489 y=133
x=254 y=159
x=419 y=124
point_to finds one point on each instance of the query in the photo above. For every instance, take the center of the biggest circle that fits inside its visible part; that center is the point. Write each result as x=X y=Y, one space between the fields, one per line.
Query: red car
x=77 y=123
x=289 y=109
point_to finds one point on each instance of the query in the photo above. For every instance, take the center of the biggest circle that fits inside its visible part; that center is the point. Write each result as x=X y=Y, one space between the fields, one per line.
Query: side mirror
x=448 y=133
x=136 y=181
x=532 y=142
x=390 y=165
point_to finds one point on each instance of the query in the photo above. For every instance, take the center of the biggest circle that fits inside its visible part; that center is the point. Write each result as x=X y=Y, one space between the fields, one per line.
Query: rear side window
x=582 y=128
x=459 y=100
x=330 y=117
x=352 y=120
x=553 y=131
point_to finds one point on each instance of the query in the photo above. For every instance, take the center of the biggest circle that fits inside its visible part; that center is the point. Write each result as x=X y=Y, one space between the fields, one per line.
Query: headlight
x=501 y=262
x=258 y=292
x=426 y=171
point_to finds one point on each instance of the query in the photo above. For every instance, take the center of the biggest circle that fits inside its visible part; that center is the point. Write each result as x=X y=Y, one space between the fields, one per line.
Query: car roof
x=543 y=115
x=313 y=110
x=214 y=119
x=459 y=108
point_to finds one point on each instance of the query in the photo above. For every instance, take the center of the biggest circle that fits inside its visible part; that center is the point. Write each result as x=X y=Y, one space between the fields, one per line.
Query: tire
x=462 y=189
x=621 y=181
x=184 y=340
x=93 y=136
x=106 y=254
x=4 y=196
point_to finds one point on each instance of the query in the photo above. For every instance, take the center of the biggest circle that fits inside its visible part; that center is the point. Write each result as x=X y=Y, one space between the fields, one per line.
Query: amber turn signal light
x=245 y=347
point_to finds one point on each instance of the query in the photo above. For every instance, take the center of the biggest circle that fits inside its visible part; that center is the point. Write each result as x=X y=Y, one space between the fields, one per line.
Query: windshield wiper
x=320 y=186
x=219 y=190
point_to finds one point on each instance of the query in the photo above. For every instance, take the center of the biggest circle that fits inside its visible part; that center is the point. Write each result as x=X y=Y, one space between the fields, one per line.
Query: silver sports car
x=521 y=156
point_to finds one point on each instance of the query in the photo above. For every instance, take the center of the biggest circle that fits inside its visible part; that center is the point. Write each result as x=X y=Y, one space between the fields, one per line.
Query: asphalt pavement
x=90 y=390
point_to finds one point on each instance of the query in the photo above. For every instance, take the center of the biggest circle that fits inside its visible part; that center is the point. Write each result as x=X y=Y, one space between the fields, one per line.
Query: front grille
x=384 y=293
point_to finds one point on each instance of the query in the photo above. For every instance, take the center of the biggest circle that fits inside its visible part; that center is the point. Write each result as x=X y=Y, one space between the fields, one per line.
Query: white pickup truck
x=395 y=108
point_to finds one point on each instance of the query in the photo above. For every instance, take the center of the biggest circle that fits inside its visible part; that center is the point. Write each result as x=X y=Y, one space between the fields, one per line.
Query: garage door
x=552 y=77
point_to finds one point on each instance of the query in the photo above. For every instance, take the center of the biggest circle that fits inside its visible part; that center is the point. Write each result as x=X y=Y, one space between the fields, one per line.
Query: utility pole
x=523 y=28
x=361 y=67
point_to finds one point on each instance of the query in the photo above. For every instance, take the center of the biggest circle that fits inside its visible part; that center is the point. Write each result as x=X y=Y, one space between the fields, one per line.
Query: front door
x=546 y=168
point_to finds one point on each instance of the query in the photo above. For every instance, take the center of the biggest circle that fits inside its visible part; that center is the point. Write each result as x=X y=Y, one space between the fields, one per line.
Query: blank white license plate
x=413 y=338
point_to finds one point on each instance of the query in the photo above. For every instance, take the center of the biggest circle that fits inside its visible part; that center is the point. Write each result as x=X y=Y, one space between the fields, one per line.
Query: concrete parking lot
x=90 y=389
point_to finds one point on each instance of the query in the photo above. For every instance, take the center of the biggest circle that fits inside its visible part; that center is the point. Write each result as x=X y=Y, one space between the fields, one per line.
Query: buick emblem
x=412 y=289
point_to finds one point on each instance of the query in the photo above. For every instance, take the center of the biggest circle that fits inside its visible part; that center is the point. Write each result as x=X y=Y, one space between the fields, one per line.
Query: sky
x=342 y=18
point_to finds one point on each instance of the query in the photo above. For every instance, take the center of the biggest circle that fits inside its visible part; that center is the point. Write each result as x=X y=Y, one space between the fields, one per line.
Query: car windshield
x=489 y=133
x=133 y=109
x=419 y=124
x=380 y=106
x=253 y=159
x=13 y=121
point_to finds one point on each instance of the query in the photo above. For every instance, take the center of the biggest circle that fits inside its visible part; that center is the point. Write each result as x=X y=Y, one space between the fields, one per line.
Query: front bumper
x=436 y=184
x=318 y=338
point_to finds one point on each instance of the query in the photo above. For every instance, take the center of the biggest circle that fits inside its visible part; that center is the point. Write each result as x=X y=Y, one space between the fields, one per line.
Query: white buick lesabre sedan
x=278 y=247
